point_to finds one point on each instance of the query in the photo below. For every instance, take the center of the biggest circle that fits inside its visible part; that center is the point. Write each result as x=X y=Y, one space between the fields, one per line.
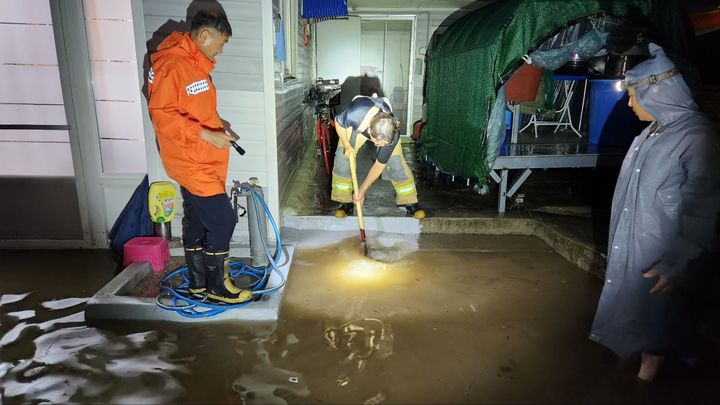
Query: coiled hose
x=197 y=306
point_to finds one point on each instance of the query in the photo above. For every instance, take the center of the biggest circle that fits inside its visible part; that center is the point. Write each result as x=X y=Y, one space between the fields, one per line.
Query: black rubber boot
x=196 y=269
x=220 y=286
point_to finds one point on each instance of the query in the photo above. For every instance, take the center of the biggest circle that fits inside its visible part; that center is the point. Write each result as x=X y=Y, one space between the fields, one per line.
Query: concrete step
x=116 y=301
x=586 y=256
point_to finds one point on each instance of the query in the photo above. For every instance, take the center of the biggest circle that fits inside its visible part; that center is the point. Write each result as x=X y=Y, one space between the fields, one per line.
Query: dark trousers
x=208 y=221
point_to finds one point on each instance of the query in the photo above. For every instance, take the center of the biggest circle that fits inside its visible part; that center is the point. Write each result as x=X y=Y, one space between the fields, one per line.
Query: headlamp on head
x=621 y=86
x=650 y=80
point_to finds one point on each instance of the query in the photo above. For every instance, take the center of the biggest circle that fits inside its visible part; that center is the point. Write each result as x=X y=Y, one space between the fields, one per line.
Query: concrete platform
x=330 y=223
x=579 y=251
x=117 y=301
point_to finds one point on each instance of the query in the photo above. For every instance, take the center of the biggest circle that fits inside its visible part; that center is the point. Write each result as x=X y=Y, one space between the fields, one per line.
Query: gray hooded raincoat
x=664 y=216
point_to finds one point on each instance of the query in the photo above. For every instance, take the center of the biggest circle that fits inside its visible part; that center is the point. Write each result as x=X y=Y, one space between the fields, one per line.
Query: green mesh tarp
x=466 y=65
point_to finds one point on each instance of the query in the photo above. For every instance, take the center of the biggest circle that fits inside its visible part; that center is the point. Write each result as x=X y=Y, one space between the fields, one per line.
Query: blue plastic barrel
x=508 y=121
x=611 y=120
x=508 y=130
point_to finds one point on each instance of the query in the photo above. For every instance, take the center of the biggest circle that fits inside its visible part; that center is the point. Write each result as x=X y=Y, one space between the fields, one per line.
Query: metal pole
x=502 y=193
x=582 y=105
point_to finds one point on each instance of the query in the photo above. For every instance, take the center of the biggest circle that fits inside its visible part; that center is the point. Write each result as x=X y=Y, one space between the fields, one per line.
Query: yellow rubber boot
x=415 y=210
x=220 y=286
x=344 y=210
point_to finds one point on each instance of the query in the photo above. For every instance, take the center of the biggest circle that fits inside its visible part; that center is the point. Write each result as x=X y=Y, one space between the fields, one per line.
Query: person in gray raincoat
x=664 y=220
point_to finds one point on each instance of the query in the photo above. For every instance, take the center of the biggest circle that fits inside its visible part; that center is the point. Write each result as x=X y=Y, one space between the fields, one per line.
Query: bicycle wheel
x=325 y=144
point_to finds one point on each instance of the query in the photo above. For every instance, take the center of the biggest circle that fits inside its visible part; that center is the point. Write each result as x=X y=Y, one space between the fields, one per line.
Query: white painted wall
x=337 y=41
x=338 y=46
x=295 y=119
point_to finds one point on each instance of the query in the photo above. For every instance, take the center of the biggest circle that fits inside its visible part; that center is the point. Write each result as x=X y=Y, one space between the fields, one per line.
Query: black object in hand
x=237 y=147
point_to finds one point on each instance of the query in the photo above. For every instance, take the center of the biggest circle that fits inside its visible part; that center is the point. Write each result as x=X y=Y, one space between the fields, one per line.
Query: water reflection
x=64 y=303
x=465 y=319
x=265 y=383
x=11 y=298
x=358 y=341
x=20 y=315
x=74 y=363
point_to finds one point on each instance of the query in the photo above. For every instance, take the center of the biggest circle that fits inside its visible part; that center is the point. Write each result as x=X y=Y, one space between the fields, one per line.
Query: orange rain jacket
x=182 y=101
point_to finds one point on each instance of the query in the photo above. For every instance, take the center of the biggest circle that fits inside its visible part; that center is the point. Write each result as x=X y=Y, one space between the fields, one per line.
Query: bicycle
x=325 y=124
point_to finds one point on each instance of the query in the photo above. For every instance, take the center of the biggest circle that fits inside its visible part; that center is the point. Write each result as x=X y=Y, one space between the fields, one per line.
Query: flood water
x=453 y=319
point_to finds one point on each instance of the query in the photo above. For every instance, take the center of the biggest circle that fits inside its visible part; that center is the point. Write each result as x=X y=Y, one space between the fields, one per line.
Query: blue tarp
x=324 y=8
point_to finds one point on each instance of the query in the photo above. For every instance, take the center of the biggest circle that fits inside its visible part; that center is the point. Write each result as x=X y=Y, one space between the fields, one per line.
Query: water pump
x=257 y=221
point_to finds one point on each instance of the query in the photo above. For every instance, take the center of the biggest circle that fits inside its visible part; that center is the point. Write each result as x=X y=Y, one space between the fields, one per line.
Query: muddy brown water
x=459 y=319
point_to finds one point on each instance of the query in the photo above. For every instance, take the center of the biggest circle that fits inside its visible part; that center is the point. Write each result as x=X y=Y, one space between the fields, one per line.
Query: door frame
x=77 y=84
x=411 y=62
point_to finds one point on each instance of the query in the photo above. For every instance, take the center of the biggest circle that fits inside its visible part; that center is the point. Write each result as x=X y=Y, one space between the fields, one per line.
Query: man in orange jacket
x=194 y=148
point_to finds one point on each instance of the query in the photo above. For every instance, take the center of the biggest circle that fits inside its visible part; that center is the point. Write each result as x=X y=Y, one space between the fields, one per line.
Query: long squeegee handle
x=358 y=207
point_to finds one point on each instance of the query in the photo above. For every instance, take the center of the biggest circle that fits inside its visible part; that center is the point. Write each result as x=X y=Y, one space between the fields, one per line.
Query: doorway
x=369 y=54
x=385 y=54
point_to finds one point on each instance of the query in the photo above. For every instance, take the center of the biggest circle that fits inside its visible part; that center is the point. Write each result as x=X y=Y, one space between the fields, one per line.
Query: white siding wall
x=94 y=38
x=31 y=94
x=111 y=47
x=296 y=132
x=306 y=57
x=116 y=92
x=241 y=77
x=295 y=119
